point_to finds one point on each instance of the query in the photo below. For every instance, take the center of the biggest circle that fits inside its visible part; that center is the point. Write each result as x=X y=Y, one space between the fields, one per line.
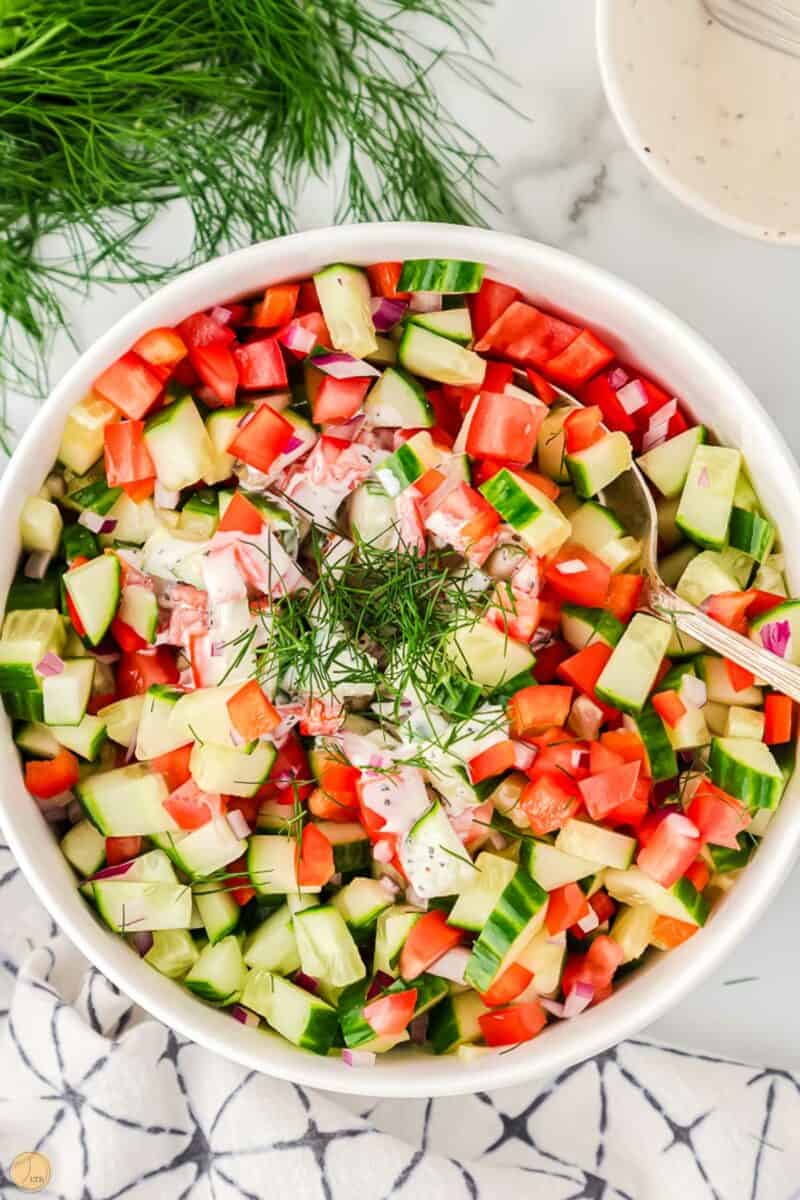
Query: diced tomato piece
x=504 y=427
x=603 y=759
x=239 y=882
x=605 y=791
x=122 y=849
x=719 y=817
x=542 y=388
x=327 y=808
x=671 y=850
x=428 y=940
x=315 y=863
x=97 y=702
x=669 y=707
x=595 y=968
x=252 y=714
x=262 y=438
x=588 y=586
x=549 y=659
x=508 y=986
x=669 y=932
x=633 y=811
x=216 y=367
x=126 y=637
x=778 y=712
x=730 y=609
x=699 y=874
x=580 y=360
x=476 y=517
x=308 y=299
x=130 y=384
x=567 y=905
x=584 y=669
x=548 y=803
x=161 y=347
x=391 y=1014
x=140 y=669
x=762 y=602
x=603 y=906
x=517 y=1023
x=582 y=429
x=560 y=754
x=174 y=766
x=190 y=807
x=384 y=278
x=200 y=329
x=525 y=334
x=534 y=709
x=495 y=761
x=488 y=304
x=627 y=744
x=290 y=776
x=624 y=596
x=514 y=613
x=137 y=492
x=740 y=678
x=241 y=516
x=497 y=377
x=46 y=778
x=601 y=391
x=430 y=481
x=277 y=306
x=334 y=399
x=260 y=365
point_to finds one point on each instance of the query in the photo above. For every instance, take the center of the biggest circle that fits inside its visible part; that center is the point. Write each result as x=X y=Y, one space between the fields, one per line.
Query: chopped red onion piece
x=418 y=1029
x=112 y=872
x=164 y=498
x=143 y=941
x=340 y=365
x=654 y=437
x=496 y=840
x=589 y=922
x=389 y=886
x=96 y=522
x=524 y=756
x=387 y=312
x=380 y=983
x=542 y=638
x=618 y=378
x=238 y=824
x=663 y=415
x=336 y=879
x=451 y=965
x=573 y=566
x=694 y=690
x=306 y=982
x=554 y=1007
x=358 y=1058
x=221 y=315
x=425 y=302
x=50 y=665
x=775 y=637
x=297 y=338
x=244 y=1015
x=579 y=758
x=383 y=851
x=36 y=564
x=579 y=998
x=632 y=396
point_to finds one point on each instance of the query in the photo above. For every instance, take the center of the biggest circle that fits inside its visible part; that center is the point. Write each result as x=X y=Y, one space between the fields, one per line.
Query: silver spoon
x=631 y=500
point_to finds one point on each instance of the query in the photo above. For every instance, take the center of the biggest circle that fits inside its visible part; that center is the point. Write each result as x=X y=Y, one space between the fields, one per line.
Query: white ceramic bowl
x=645 y=334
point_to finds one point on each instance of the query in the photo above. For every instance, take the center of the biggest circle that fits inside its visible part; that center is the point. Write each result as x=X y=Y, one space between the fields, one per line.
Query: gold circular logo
x=30 y=1171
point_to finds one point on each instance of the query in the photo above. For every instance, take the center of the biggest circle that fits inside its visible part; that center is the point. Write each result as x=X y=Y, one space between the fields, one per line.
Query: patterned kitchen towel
x=122 y=1107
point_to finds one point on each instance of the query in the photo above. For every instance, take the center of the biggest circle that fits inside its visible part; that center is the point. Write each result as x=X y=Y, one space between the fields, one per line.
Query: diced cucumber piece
x=552 y=867
x=271 y=865
x=179 y=445
x=633 y=929
x=221 y=426
x=714 y=673
x=34 y=593
x=724 y=859
x=85 y=738
x=485 y=655
x=84 y=433
x=84 y=848
x=551 y=445
x=672 y=566
x=398 y=401
x=204 y=851
x=517 y=916
x=393 y=927
x=94 y=590
x=138 y=608
x=200 y=514
x=787 y=618
x=78 y=541
x=135 y=522
x=716 y=716
x=219 y=974
x=594 y=526
x=769 y=576
x=230 y=772
x=744 y=723
x=301 y=1018
x=24 y=706
x=599 y=465
x=156 y=735
x=218 y=910
x=126 y=802
x=386 y=353
x=747 y=770
x=535 y=518
x=682 y=901
x=122 y=719
x=433 y=357
x=455 y=1023
x=372 y=517
x=475 y=903
x=352 y=849
x=596 y=844
x=581 y=627
x=707 y=496
x=28 y=634
x=360 y=903
x=357 y=1031
x=444 y=275
x=40 y=525
x=545 y=958
x=326 y=946
x=433 y=857
x=344 y=296
x=66 y=695
x=667 y=465
x=690 y=731
x=752 y=534
x=36 y=739
x=407 y=464
x=661 y=759
x=630 y=672
x=203 y=716
x=681 y=645
x=96 y=496
x=453 y=323
x=133 y=907
x=173 y=953
x=272 y=945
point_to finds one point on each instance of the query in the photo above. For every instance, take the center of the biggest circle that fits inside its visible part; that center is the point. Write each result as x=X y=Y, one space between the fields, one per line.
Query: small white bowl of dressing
x=714 y=115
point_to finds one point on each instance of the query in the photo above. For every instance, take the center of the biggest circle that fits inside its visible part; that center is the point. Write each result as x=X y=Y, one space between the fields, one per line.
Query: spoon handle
x=783 y=676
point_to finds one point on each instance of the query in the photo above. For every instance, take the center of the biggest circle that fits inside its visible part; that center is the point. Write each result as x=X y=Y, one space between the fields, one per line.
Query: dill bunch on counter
x=111 y=108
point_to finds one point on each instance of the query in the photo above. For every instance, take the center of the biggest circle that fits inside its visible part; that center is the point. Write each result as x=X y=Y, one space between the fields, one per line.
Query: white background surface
x=566 y=177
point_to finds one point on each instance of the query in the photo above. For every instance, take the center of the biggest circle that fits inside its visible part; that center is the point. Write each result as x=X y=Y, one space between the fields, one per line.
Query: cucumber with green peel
x=484 y=654
x=517 y=916
x=551 y=445
x=78 y=542
x=173 y=952
x=682 y=646
x=122 y=719
x=272 y=865
x=667 y=465
x=455 y=1022
x=716 y=716
x=769 y=576
x=669 y=536
x=391 y=931
x=714 y=673
x=407 y=464
x=537 y=520
x=83 y=438
x=218 y=909
x=352 y=849
x=134 y=522
x=230 y=772
x=201 y=853
x=139 y=907
x=28 y=634
x=153 y=866
x=672 y=567
x=179 y=445
x=200 y=514
x=35 y=593
x=724 y=859
x=633 y=930
x=599 y=465
x=452 y=323
x=398 y=401
x=37 y=740
x=303 y=1019
x=96 y=497
x=434 y=357
x=582 y=627
x=84 y=848
x=66 y=695
x=447 y=276
x=386 y=353
x=272 y=945
x=326 y=946
x=126 y=802
x=628 y=676
x=747 y=770
x=779 y=628
x=24 y=706
x=361 y=903
x=138 y=608
x=595 y=843
x=682 y=901
x=94 y=590
x=621 y=554
x=221 y=426
x=344 y=296
x=219 y=974
x=544 y=956
x=752 y=534
x=40 y=525
x=273 y=817
x=552 y=867
x=86 y=738
x=475 y=902
x=744 y=723
x=594 y=526
x=707 y=497
x=356 y=1029
x=155 y=735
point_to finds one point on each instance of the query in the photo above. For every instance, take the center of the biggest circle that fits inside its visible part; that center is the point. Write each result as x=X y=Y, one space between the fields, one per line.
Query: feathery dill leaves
x=109 y=110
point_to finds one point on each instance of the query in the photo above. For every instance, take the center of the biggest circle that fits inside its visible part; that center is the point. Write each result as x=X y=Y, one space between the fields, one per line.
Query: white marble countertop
x=567 y=178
